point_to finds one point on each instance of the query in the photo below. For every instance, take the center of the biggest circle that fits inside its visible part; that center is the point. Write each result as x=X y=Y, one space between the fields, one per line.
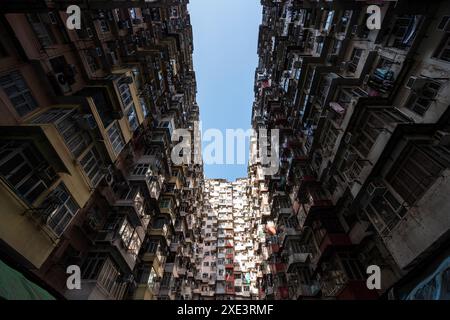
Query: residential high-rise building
x=88 y=179
x=86 y=176
x=227 y=263
x=364 y=151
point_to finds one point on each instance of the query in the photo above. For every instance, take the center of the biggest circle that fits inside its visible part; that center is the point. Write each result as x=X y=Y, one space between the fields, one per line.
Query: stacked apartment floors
x=364 y=149
x=86 y=176
x=227 y=263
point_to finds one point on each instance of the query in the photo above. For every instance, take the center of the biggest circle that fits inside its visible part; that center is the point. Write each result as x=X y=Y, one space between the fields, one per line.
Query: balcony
x=282 y=293
x=182 y=271
x=220 y=289
x=155 y=258
x=174 y=246
x=286 y=233
x=356 y=290
x=313 y=201
x=134 y=200
x=229 y=290
x=122 y=238
x=106 y=284
x=277 y=267
x=146 y=291
x=299 y=291
x=161 y=231
x=296 y=258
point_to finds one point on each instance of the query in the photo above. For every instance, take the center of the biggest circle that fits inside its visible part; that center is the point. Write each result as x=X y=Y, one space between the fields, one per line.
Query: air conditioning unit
x=350 y=156
x=109 y=174
x=89 y=32
x=415 y=83
x=52 y=17
x=348 y=138
x=62 y=82
x=441 y=138
x=376 y=188
x=366 y=79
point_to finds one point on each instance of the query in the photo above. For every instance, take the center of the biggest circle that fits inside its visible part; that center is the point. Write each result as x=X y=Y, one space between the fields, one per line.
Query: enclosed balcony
x=132 y=202
x=144 y=173
x=277 y=267
x=147 y=283
x=323 y=235
x=302 y=286
x=312 y=199
x=102 y=279
x=167 y=206
x=159 y=227
x=344 y=277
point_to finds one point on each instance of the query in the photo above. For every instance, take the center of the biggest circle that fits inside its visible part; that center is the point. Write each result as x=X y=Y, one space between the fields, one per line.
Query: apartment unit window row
x=420 y=100
x=443 y=50
x=116 y=138
x=92 y=164
x=385 y=211
x=60 y=209
x=98 y=266
x=414 y=173
x=76 y=139
x=371 y=127
x=18 y=92
x=25 y=169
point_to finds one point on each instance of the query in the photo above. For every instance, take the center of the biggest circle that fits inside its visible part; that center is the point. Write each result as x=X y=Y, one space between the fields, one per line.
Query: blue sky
x=225 y=58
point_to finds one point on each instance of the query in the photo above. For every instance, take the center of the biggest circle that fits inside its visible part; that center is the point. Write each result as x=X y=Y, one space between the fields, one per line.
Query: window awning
x=14 y=286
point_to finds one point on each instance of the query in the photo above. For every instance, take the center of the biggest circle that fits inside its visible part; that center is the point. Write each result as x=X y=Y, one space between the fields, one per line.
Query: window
x=91 y=164
x=165 y=203
x=25 y=169
x=152 y=246
x=130 y=238
x=76 y=139
x=404 y=31
x=413 y=174
x=60 y=208
x=104 y=27
x=444 y=25
x=354 y=59
x=15 y=87
x=92 y=265
x=141 y=169
x=369 y=132
x=152 y=278
x=166 y=279
x=145 y=109
x=421 y=100
x=43 y=33
x=92 y=62
x=116 y=138
x=352 y=267
x=385 y=211
x=125 y=94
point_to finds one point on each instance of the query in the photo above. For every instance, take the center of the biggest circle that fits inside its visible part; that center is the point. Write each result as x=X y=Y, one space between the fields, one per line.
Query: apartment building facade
x=86 y=176
x=364 y=149
x=227 y=263
x=86 y=138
